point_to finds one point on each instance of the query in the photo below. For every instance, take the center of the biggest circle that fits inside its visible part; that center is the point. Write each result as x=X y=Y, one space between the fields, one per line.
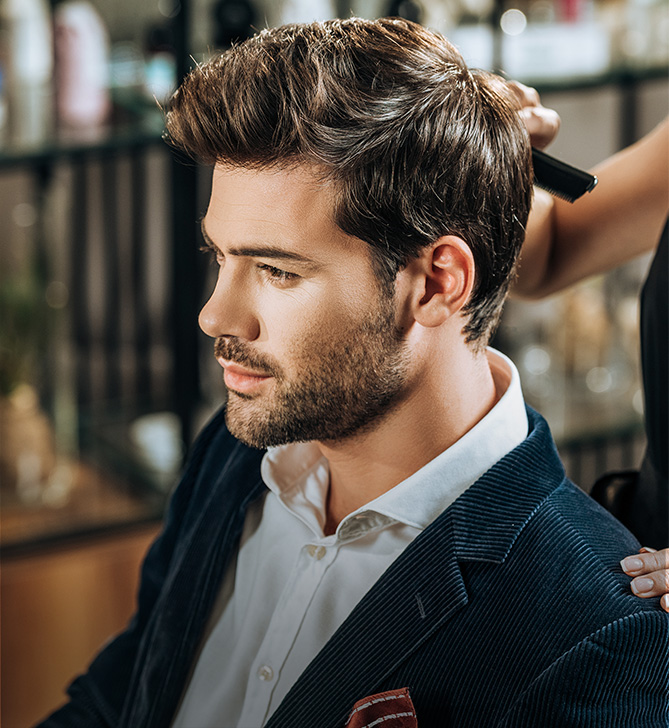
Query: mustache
x=237 y=352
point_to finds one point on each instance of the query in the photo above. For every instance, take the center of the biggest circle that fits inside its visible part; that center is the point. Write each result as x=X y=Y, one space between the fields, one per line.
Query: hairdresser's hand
x=650 y=570
x=543 y=124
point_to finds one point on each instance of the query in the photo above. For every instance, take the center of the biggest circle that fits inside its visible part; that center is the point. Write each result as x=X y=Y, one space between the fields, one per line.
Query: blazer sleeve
x=97 y=697
x=617 y=676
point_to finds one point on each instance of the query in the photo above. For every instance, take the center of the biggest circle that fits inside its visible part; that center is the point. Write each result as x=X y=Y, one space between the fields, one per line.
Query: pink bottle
x=82 y=64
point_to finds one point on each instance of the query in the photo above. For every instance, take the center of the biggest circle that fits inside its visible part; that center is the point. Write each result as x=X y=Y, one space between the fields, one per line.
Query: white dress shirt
x=291 y=586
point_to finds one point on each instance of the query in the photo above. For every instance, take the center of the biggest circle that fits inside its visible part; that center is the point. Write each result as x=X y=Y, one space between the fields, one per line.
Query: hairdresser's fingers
x=525 y=95
x=655 y=584
x=650 y=570
x=646 y=561
x=542 y=123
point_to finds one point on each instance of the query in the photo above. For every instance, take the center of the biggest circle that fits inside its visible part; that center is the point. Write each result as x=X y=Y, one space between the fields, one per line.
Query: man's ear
x=442 y=279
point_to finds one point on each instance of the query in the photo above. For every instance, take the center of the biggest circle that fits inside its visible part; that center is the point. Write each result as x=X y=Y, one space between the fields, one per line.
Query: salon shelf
x=105 y=339
x=100 y=504
x=134 y=126
x=621 y=76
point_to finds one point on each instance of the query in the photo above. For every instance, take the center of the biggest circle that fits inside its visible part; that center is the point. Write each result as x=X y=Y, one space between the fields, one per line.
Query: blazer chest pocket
x=392 y=709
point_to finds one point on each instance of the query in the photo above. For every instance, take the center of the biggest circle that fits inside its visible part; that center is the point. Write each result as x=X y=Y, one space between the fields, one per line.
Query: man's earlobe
x=447 y=270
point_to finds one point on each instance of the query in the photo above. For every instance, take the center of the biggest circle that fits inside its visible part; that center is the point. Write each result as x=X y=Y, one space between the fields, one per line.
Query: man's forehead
x=289 y=206
x=281 y=199
x=308 y=178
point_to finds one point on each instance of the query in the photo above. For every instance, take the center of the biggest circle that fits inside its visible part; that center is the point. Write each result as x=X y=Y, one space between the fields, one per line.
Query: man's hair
x=416 y=145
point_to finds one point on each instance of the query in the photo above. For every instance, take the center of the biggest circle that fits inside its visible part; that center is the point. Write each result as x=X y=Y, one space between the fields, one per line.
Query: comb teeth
x=559 y=178
x=559 y=193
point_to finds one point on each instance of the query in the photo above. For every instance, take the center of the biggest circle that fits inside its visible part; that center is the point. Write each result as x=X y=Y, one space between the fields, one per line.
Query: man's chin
x=251 y=433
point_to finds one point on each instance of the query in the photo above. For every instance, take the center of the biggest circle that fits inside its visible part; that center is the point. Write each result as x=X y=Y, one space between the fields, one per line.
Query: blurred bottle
x=643 y=30
x=82 y=64
x=26 y=56
x=160 y=69
x=305 y=11
x=3 y=99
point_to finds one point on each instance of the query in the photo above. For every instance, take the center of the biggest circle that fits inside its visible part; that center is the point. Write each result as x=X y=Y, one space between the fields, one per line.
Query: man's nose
x=229 y=311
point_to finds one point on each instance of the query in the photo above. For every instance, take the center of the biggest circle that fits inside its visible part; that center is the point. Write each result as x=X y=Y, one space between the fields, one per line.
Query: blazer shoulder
x=592 y=524
x=616 y=675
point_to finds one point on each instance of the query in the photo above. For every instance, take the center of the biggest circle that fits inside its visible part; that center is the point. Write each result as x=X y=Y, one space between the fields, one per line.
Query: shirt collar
x=298 y=474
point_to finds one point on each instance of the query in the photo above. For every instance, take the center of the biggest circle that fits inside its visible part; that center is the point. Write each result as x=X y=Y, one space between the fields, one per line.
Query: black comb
x=559 y=178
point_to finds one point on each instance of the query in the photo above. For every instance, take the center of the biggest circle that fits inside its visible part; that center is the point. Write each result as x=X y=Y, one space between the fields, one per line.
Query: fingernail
x=641 y=586
x=631 y=564
x=647 y=550
x=664 y=602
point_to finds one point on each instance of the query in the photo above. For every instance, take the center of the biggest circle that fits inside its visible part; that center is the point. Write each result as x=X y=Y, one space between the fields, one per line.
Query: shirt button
x=317 y=552
x=265 y=673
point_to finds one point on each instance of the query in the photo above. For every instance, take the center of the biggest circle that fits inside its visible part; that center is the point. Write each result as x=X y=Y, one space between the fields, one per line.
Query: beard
x=343 y=384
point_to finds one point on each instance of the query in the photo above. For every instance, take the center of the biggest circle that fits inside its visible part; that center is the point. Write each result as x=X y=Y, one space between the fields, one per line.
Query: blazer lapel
x=182 y=613
x=397 y=615
x=423 y=588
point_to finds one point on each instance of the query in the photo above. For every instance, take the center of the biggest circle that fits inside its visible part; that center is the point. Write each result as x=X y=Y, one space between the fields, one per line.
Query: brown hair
x=416 y=144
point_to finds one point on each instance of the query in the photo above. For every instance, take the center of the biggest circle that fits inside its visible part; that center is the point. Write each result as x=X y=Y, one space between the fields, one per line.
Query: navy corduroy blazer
x=509 y=610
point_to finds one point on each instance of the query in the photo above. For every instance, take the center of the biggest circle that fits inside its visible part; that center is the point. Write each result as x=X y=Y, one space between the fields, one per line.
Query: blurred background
x=104 y=376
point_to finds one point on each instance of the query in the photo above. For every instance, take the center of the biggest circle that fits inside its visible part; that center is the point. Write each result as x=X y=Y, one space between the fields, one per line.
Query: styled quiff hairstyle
x=415 y=144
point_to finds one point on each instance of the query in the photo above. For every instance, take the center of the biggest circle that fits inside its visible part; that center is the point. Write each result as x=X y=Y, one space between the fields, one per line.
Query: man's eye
x=276 y=274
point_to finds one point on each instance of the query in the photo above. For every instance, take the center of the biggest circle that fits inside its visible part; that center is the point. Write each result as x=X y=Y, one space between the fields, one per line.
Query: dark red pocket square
x=392 y=709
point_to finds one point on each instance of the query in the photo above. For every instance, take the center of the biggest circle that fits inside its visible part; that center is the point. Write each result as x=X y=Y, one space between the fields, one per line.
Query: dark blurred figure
x=234 y=21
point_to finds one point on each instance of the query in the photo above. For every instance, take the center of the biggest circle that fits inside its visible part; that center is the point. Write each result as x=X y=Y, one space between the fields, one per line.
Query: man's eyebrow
x=207 y=240
x=260 y=251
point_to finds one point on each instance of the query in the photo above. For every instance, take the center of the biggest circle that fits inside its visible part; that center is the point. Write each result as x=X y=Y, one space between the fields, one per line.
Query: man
x=408 y=550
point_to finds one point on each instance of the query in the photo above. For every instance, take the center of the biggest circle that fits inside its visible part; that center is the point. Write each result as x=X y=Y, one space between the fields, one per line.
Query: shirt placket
x=311 y=565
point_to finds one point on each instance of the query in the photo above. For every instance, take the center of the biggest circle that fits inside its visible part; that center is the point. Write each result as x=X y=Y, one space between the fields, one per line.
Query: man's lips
x=240 y=379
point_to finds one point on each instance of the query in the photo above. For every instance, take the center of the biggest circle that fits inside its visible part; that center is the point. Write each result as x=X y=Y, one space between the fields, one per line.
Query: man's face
x=307 y=339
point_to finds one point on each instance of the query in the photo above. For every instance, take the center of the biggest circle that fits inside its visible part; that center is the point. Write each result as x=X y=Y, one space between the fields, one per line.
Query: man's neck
x=444 y=404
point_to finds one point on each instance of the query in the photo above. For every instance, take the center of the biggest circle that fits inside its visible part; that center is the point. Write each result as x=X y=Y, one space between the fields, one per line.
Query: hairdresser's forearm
x=622 y=218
